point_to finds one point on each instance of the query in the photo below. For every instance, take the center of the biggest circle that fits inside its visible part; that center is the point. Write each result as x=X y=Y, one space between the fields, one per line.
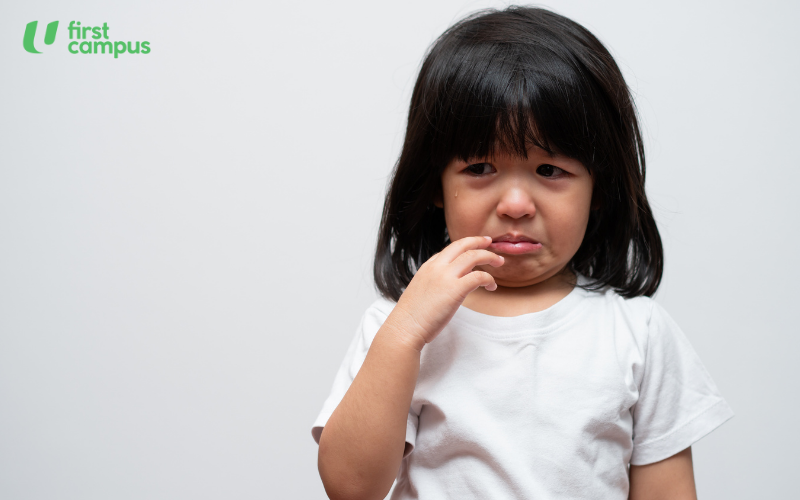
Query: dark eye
x=547 y=170
x=478 y=168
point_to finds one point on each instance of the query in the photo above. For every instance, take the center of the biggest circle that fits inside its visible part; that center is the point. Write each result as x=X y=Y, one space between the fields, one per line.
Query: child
x=516 y=352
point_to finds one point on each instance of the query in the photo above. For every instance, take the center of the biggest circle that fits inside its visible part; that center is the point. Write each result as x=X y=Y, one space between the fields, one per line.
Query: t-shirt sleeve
x=678 y=401
x=371 y=322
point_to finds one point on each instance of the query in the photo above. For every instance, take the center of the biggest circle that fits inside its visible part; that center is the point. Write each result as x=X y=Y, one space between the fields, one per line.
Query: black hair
x=510 y=79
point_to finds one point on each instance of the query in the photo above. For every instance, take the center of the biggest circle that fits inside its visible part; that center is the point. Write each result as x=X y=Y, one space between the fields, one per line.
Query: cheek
x=464 y=216
x=568 y=225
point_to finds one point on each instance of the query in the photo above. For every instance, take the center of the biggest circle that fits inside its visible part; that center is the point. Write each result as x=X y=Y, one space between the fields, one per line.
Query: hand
x=440 y=286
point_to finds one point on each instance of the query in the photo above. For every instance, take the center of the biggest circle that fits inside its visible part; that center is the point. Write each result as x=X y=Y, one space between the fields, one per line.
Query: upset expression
x=536 y=210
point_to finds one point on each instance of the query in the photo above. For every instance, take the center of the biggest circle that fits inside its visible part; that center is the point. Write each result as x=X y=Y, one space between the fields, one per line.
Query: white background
x=186 y=237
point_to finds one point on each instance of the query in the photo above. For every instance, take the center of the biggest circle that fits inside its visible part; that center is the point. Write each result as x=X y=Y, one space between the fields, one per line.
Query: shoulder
x=374 y=317
x=644 y=321
x=628 y=320
x=380 y=309
x=382 y=305
x=644 y=336
x=643 y=314
x=635 y=312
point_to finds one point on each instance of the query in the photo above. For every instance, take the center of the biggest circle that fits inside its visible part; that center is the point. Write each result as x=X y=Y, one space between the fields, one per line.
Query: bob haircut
x=511 y=79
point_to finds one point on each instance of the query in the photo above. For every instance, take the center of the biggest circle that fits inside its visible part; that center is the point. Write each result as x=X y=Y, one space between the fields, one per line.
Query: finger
x=432 y=258
x=456 y=248
x=471 y=258
x=477 y=279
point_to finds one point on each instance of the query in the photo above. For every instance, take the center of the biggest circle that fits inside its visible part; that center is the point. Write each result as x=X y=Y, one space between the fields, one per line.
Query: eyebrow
x=555 y=155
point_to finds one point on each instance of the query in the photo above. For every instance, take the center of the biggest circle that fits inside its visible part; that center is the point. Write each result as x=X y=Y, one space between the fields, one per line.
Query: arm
x=362 y=444
x=669 y=479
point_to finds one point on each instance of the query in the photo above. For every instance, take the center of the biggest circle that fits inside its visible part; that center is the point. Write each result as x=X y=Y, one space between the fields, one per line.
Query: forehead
x=499 y=153
x=511 y=134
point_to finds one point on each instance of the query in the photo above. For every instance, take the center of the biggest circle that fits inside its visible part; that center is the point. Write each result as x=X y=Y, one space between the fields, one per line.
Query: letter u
x=131 y=51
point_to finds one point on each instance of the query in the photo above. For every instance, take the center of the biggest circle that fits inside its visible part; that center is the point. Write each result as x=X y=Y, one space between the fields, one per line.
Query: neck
x=514 y=301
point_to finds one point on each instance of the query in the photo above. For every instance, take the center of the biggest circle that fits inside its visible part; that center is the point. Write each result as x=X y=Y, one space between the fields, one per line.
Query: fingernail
x=488 y=238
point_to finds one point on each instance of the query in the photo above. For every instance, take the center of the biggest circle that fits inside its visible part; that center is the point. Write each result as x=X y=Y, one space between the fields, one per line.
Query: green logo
x=99 y=43
x=30 y=32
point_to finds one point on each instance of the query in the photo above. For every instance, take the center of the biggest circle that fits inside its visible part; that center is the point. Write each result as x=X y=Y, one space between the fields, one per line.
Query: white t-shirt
x=547 y=405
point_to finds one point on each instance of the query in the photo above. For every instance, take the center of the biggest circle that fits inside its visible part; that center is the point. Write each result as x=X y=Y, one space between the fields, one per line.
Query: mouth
x=513 y=238
x=514 y=244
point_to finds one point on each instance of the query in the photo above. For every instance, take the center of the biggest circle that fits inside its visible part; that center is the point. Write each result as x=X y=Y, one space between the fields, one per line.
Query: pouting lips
x=513 y=238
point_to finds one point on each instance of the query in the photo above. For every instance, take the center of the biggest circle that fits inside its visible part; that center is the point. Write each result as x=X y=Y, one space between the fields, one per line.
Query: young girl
x=516 y=352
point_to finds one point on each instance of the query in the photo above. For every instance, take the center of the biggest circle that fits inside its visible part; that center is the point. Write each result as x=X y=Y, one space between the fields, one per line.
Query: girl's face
x=542 y=203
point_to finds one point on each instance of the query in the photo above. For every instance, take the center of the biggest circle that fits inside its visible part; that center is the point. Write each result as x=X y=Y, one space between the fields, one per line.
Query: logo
x=30 y=32
x=99 y=43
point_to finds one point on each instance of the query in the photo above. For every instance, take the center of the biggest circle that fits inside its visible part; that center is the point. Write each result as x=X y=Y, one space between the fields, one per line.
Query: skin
x=505 y=194
x=544 y=197
x=669 y=479
x=547 y=198
x=362 y=445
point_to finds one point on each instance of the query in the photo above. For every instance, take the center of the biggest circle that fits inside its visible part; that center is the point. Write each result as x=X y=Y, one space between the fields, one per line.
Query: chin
x=519 y=280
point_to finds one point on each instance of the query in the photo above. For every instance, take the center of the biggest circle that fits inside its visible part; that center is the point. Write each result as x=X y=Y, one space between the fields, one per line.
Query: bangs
x=501 y=82
x=500 y=97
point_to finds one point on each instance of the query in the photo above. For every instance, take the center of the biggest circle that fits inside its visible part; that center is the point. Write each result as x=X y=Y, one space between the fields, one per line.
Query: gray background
x=186 y=236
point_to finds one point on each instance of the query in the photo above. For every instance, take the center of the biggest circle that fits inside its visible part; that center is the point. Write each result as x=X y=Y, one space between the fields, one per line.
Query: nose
x=516 y=203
